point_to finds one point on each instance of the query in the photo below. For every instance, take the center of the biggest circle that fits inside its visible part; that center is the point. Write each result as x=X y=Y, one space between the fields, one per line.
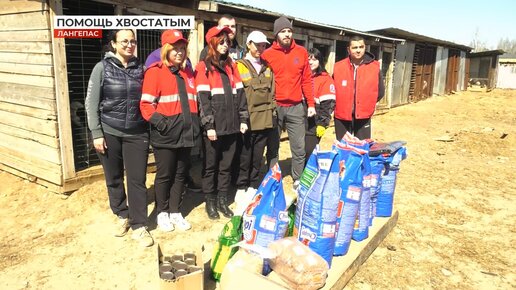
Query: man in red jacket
x=289 y=63
x=359 y=86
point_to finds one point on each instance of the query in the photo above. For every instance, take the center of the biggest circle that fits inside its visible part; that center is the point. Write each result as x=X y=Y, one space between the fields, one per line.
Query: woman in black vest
x=120 y=134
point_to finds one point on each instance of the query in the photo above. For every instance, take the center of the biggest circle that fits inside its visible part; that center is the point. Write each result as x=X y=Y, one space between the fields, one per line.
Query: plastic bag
x=298 y=265
x=230 y=235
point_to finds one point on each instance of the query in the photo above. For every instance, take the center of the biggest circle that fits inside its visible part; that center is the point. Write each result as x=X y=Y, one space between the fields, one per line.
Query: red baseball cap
x=172 y=36
x=215 y=31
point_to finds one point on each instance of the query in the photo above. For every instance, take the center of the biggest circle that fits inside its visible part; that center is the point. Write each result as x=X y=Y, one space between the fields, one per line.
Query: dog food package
x=298 y=265
x=266 y=218
x=350 y=188
x=377 y=167
x=385 y=201
x=316 y=213
x=361 y=228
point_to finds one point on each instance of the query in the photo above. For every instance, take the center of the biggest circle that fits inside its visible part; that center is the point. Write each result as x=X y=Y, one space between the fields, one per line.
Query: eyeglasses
x=225 y=41
x=126 y=42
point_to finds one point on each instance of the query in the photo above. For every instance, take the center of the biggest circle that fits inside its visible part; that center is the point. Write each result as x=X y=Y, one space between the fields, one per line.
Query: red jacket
x=324 y=92
x=169 y=103
x=292 y=74
x=221 y=109
x=358 y=96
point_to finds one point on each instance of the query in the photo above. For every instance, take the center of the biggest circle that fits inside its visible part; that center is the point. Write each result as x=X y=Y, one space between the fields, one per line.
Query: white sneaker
x=143 y=237
x=121 y=226
x=164 y=223
x=252 y=191
x=295 y=185
x=242 y=199
x=240 y=195
x=181 y=223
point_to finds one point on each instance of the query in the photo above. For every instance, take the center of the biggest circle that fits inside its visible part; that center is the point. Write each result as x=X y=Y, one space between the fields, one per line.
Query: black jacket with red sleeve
x=223 y=105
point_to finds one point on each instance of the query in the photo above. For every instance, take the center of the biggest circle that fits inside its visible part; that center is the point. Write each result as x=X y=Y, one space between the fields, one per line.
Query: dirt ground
x=456 y=197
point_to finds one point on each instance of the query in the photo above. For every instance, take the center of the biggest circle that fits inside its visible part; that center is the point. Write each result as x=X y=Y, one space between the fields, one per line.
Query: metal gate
x=81 y=56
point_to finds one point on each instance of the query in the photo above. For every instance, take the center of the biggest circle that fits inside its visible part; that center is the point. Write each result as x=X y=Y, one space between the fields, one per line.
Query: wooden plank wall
x=402 y=73
x=439 y=71
x=29 y=138
x=462 y=73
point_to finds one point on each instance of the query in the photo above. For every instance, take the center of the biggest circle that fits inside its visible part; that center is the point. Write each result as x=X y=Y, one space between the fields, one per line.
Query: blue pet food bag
x=316 y=213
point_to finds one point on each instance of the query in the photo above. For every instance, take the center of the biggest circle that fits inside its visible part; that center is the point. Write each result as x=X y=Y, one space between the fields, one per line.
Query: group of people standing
x=236 y=101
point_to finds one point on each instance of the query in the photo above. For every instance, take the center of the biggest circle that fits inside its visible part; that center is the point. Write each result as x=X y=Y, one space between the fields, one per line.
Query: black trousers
x=131 y=153
x=273 y=141
x=311 y=139
x=251 y=156
x=360 y=128
x=217 y=163
x=171 y=169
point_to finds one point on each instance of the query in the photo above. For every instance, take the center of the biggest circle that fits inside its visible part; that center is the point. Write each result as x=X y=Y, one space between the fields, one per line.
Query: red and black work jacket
x=223 y=105
x=324 y=96
x=169 y=103
x=357 y=91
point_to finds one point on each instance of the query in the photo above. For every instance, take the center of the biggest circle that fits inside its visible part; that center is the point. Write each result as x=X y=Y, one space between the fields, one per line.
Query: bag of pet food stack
x=361 y=228
x=266 y=218
x=377 y=165
x=350 y=187
x=388 y=184
x=316 y=212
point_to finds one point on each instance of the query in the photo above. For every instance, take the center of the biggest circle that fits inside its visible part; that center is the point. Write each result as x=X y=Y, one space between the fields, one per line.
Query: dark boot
x=211 y=207
x=223 y=205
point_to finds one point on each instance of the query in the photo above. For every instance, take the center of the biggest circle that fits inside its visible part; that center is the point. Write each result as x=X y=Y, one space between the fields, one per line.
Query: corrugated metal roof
x=309 y=22
x=508 y=55
x=396 y=32
x=487 y=53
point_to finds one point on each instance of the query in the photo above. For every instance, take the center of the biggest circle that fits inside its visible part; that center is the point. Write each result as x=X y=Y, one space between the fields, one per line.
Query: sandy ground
x=456 y=200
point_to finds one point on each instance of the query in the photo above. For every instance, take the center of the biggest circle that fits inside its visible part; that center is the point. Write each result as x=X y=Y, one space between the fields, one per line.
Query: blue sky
x=453 y=20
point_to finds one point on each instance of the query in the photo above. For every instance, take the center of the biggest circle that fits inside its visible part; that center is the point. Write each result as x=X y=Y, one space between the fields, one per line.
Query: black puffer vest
x=121 y=94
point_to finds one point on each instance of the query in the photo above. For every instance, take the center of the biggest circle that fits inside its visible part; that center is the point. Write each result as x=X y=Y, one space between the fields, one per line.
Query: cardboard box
x=239 y=279
x=191 y=281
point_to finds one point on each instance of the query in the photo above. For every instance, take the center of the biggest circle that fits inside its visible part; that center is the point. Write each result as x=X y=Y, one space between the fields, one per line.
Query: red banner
x=77 y=33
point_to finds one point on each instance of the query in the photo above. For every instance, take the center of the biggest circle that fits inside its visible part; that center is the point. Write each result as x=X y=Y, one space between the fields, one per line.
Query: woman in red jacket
x=223 y=112
x=324 y=96
x=169 y=103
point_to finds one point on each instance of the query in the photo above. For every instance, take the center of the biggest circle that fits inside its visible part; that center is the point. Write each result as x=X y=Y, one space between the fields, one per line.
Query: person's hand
x=100 y=145
x=319 y=131
x=243 y=128
x=212 y=135
x=311 y=112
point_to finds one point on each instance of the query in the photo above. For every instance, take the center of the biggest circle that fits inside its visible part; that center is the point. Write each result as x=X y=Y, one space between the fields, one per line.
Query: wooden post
x=330 y=63
x=196 y=41
x=62 y=97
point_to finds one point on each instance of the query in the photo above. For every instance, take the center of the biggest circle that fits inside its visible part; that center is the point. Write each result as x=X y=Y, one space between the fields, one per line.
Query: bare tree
x=509 y=46
x=477 y=44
